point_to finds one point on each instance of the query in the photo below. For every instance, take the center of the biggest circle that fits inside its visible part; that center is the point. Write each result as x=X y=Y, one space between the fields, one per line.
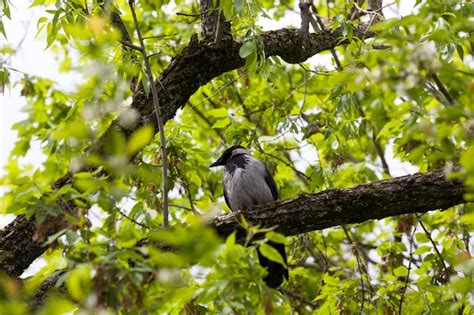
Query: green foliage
x=408 y=91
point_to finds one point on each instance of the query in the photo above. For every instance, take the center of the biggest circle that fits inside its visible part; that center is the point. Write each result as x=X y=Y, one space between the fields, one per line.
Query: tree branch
x=442 y=88
x=305 y=17
x=212 y=22
x=417 y=193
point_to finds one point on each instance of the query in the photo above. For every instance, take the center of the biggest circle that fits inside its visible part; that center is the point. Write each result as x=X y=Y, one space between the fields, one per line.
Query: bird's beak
x=217 y=163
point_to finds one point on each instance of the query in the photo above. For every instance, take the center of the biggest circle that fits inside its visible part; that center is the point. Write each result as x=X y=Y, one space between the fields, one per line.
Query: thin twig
x=320 y=26
x=466 y=237
x=359 y=265
x=376 y=143
x=438 y=253
x=436 y=93
x=156 y=104
x=130 y=45
x=219 y=26
x=326 y=260
x=298 y=297
x=442 y=88
x=159 y=36
x=189 y=14
x=208 y=97
x=402 y=296
x=298 y=173
x=180 y=207
x=132 y=220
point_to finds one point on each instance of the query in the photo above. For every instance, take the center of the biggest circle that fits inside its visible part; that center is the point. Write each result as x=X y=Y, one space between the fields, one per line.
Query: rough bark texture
x=196 y=67
x=47 y=287
x=208 y=18
x=16 y=250
x=417 y=193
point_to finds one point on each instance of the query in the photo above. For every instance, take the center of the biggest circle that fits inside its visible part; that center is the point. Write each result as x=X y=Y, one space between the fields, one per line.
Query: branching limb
x=214 y=28
x=208 y=18
x=417 y=193
x=305 y=17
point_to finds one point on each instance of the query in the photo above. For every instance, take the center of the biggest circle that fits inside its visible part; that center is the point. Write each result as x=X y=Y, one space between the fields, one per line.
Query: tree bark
x=416 y=193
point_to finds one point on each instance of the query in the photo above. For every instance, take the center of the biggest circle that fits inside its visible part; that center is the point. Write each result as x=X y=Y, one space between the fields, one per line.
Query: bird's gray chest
x=245 y=185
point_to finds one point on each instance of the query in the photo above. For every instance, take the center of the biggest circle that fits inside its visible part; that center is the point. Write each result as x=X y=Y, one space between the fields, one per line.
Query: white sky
x=32 y=58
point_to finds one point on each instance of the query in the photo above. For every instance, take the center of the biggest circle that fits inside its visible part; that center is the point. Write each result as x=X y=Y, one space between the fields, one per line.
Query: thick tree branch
x=188 y=72
x=417 y=193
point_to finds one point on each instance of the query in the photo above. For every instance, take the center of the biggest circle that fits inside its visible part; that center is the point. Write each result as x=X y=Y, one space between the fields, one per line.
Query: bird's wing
x=226 y=198
x=271 y=183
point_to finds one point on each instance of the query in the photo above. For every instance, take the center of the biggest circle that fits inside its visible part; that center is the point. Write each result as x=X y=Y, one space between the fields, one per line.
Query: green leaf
x=275 y=237
x=247 y=49
x=79 y=282
x=460 y=51
x=421 y=238
x=54 y=237
x=400 y=271
x=230 y=240
x=218 y=112
x=271 y=253
x=4 y=79
x=36 y=3
x=226 y=6
x=422 y=250
x=2 y=29
x=239 y=5
x=6 y=8
x=139 y=139
x=221 y=123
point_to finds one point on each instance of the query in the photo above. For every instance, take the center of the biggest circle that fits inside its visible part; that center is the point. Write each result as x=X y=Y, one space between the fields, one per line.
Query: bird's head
x=232 y=151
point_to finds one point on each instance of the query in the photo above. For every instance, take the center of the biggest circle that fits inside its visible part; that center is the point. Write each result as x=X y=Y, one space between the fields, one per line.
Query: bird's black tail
x=276 y=271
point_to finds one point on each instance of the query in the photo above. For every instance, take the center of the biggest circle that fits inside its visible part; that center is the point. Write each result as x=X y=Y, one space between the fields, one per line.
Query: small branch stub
x=305 y=18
